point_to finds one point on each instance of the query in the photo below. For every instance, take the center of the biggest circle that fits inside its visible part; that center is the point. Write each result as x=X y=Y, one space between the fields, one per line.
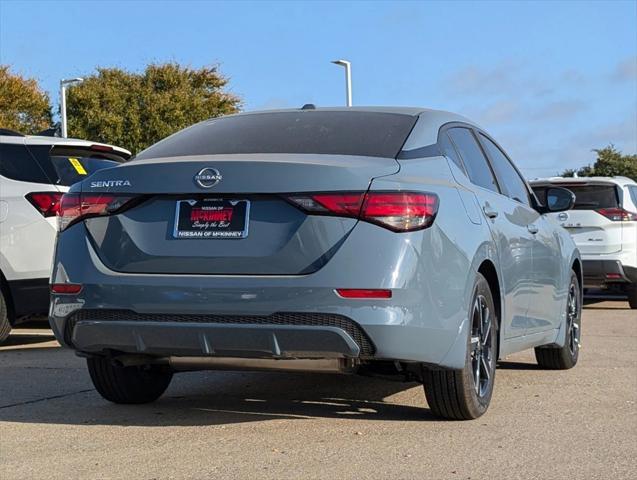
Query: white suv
x=34 y=173
x=603 y=224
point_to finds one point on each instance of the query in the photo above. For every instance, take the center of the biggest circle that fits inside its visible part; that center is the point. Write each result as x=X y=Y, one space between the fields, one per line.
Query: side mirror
x=559 y=199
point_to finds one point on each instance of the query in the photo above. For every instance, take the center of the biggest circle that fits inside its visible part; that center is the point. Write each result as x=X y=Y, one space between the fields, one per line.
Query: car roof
x=380 y=109
x=71 y=142
x=619 y=180
x=399 y=110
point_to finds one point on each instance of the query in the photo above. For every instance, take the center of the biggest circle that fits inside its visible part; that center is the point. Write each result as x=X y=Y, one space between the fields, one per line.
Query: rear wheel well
x=577 y=268
x=6 y=292
x=488 y=271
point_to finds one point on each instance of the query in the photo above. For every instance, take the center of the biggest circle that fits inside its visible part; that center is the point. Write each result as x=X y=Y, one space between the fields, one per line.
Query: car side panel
x=27 y=238
x=459 y=244
x=551 y=270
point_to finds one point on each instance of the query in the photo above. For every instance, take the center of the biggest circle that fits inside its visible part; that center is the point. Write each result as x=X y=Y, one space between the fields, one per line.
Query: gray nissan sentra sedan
x=369 y=240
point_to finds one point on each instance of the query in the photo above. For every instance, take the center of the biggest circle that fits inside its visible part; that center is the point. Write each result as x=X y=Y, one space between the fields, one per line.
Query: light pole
x=63 y=84
x=348 y=80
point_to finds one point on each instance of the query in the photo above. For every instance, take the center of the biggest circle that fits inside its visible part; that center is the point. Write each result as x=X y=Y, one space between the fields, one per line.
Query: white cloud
x=622 y=133
x=559 y=110
x=474 y=79
x=626 y=70
x=497 y=113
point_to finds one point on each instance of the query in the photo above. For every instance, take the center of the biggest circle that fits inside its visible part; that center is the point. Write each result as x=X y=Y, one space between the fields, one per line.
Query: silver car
x=370 y=240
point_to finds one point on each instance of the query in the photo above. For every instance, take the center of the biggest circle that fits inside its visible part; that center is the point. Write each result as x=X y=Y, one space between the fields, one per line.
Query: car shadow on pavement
x=59 y=391
x=606 y=303
x=55 y=388
x=600 y=299
x=27 y=339
x=508 y=365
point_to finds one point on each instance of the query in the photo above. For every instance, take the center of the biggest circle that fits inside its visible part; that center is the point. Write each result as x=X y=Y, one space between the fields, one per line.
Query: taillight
x=396 y=211
x=618 y=214
x=47 y=203
x=78 y=206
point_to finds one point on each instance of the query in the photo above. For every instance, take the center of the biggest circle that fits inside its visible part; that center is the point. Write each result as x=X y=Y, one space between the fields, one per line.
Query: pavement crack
x=53 y=397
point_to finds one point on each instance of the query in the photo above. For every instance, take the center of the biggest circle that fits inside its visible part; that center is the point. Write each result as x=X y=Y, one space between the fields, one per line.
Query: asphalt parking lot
x=542 y=424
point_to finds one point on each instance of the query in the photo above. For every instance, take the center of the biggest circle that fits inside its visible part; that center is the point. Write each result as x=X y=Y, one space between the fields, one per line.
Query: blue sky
x=550 y=80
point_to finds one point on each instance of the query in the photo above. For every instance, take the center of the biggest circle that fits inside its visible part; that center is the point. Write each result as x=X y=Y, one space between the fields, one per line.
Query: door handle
x=532 y=228
x=489 y=211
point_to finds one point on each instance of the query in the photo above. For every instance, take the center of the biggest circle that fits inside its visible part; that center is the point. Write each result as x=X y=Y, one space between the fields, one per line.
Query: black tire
x=565 y=357
x=5 y=325
x=455 y=394
x=631 y=291
x=138 y=384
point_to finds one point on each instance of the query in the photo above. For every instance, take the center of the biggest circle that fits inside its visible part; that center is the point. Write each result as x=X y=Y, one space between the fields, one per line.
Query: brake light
x=101 y=148
x=47 y=203
x=79 y=206
x=618 y=214
x=396 y=211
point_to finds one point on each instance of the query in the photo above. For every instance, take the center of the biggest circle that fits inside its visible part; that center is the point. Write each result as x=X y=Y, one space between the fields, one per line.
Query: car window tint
x=633 y=194
x=506 y=172
x=371 y=134
x=587 y=197
x=70 y=170
x=474 y=160
x=17 y=164
x=449 y=151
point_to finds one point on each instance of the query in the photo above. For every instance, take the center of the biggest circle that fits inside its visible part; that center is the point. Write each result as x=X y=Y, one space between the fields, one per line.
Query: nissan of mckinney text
x=345 y=240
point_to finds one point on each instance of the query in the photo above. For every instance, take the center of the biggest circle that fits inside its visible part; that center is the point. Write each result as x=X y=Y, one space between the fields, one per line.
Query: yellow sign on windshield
x=77 y=166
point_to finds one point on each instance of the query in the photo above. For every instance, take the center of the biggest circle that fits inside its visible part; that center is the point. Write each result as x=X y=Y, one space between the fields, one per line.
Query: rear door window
x=476 y=163
x=449 y=151
x=507 y=174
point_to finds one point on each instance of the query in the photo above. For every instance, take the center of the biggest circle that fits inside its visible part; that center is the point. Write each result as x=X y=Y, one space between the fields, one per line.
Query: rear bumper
x=598 y=273
x=315 y=335
x=424 y=321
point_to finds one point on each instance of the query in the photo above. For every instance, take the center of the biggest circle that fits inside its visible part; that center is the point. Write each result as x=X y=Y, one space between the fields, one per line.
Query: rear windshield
x=70 y=170
x=50 y=164
x=587 y=197
x=371 y=134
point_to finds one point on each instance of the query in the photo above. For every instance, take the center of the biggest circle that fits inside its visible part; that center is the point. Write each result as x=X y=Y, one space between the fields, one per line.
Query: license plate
x=211 y=218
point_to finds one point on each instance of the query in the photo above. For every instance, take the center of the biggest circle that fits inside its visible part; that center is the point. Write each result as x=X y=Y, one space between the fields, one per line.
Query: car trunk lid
x=270 y=235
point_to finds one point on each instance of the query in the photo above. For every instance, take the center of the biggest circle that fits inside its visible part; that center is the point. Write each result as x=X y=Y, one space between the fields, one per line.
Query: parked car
x=336 y=239
x=603 y=224
x=34 y=173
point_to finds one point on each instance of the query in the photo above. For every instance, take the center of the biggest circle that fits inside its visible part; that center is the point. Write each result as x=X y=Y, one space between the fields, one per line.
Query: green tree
x=610 y=163
x=135 y=110
x=23 y=105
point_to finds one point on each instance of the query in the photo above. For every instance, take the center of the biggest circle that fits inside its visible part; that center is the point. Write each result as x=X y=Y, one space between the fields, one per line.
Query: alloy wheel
x=482 y=354
x=573 y=331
